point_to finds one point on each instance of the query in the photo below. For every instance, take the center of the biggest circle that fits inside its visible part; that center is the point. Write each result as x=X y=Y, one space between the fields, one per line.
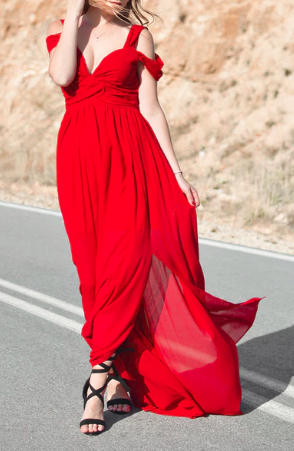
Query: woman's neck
x=96 y=16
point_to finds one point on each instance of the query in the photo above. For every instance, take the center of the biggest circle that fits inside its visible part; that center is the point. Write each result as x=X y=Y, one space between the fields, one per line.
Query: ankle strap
x=105 y=368
x=96 y=392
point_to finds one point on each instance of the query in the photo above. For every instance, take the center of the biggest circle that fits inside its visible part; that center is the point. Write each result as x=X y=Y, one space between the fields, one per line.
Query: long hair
x=133 y=12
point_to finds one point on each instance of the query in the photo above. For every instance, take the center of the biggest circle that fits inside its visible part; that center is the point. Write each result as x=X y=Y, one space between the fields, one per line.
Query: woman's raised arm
x=63 y=57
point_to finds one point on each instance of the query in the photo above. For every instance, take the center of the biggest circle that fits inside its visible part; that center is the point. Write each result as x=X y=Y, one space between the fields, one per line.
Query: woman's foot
x=116 y=390
x=94 y=406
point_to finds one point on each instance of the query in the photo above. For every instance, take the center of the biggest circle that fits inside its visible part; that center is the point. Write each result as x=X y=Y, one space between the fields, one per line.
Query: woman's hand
x=75 y=7
x=190 y=192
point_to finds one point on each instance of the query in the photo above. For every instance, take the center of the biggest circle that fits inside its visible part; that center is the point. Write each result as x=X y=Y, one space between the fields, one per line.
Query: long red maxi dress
x=133 y=238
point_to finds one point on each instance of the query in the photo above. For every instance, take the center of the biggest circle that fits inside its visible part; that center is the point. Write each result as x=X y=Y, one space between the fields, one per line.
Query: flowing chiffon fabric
x=133 y=238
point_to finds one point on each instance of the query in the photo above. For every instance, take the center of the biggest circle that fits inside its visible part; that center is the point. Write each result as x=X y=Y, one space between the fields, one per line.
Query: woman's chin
x=114 y=6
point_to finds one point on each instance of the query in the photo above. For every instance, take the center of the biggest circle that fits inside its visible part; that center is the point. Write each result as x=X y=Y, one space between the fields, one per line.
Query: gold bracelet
x=178 y=172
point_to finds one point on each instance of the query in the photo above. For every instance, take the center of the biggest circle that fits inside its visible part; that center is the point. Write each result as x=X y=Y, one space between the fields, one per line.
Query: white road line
x=43 y=297
x=247 y=249
x=271 y=407
x=41 y=313
x=202 y=240
x=249 y=375
x=265 y=381
x=45 y=211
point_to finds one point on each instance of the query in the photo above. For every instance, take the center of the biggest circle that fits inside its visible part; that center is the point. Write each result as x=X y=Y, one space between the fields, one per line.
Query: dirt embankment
x=227 y=92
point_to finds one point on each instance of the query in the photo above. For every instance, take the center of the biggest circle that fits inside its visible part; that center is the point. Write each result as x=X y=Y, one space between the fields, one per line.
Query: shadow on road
x=112 y=418
x=271 y=355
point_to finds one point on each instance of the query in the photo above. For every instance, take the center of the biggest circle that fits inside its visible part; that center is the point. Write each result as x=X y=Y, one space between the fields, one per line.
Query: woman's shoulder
x=54 y=27
x=146 y=43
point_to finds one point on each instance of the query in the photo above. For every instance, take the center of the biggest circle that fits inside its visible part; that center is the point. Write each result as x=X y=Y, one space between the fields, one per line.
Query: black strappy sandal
x=95 y=392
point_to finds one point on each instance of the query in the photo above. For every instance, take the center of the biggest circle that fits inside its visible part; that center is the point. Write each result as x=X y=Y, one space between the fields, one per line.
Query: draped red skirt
x=133 y=238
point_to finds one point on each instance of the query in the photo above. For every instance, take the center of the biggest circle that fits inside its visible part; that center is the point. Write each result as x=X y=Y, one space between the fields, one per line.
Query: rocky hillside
x=227 y=92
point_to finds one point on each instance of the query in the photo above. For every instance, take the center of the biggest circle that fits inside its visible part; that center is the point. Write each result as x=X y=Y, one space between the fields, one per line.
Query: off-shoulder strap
x=153 y=66
x=133 y=35
x=52 y=39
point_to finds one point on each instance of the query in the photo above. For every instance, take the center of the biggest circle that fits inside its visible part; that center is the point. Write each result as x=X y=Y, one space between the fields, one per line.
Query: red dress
x=133 y=238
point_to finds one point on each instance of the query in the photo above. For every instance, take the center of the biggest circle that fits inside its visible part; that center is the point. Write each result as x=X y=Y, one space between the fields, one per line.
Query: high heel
x=95 y=392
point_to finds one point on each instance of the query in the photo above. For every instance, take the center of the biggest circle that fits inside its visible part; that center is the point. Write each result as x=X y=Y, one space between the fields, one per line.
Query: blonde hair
x=133 y=12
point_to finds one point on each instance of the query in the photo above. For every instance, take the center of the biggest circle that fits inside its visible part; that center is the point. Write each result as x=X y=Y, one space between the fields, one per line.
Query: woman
x=130 y=218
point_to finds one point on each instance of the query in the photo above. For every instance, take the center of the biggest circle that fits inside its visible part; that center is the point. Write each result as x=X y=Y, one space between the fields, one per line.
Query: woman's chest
x=119 y=66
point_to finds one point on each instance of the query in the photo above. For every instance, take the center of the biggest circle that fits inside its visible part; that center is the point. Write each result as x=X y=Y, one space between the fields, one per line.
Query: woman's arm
x=63 y=58
x=153 y=113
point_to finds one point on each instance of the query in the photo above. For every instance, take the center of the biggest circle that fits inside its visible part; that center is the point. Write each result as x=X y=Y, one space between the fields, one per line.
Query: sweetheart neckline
x=82 y=57
x=90 y=74
x=110 y=53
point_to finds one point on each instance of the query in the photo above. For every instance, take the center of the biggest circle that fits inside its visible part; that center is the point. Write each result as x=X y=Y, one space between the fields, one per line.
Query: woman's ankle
x=99 y=366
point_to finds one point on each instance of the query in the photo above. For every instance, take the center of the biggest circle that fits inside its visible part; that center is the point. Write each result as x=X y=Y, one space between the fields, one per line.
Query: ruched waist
x=101 y=91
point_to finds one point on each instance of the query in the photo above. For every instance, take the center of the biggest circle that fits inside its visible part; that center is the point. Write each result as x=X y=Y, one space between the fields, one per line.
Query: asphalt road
x=44 y=360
